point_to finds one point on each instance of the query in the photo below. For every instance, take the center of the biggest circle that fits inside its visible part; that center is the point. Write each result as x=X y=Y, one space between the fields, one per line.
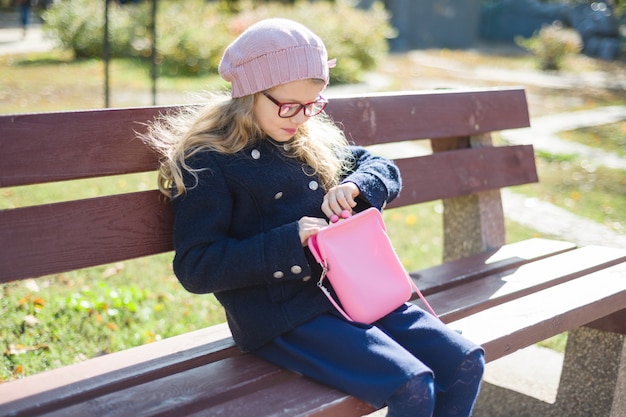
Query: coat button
x=296 y=269
x=307 y=278
x=278 y=195
x=278 y=274
x=256 y=154
x=313 y=185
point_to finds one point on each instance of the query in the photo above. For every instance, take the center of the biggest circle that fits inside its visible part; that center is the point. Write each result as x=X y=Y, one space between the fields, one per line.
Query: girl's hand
x=339 y=198
x=308 y=226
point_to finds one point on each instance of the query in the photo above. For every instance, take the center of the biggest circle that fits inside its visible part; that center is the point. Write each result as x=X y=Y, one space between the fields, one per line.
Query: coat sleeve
x=377 y=177
x=209 y=259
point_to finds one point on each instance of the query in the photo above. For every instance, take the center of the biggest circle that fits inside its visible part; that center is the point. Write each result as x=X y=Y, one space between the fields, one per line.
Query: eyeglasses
x=287 y=110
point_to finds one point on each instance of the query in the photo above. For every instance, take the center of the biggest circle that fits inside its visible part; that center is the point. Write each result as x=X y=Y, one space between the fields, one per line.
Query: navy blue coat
x=236 y=235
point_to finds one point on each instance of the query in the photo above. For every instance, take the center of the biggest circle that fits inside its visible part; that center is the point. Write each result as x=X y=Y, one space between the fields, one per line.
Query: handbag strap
x=328 y=295
x=421 y=296
x=320 y=285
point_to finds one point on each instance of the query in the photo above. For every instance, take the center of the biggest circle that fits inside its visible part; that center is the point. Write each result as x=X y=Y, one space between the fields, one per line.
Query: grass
x=57 y=320
x=25 y=85
x=61 y=191
x=609 y=138
x=569 y=182
x=66 y=318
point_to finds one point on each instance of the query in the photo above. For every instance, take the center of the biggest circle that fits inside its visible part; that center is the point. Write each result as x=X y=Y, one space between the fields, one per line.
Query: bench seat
x=523 y=321
x=517 y=295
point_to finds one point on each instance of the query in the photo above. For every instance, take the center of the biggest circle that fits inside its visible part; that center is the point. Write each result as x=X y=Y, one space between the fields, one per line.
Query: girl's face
x=266 y=112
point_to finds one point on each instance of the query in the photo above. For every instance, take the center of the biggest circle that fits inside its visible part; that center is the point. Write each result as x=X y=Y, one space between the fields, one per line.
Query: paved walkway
x=553 y=80
x=543 y=134
x=13 y=40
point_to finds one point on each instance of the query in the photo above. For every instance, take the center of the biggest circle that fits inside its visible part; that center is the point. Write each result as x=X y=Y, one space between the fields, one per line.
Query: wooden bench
x=505 y=297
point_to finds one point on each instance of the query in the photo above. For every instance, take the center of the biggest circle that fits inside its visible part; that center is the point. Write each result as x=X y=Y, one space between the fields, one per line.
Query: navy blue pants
x=386 y=362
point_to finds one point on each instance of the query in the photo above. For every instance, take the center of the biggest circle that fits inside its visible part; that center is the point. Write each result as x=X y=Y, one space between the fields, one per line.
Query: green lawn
x=609 y=138
x=53 y=81
x=574 y=184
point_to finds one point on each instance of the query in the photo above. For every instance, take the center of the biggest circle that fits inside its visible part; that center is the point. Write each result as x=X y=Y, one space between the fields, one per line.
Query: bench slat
x=81 y=144
x=85 y=144
x=471 y=297
x=230 y=378
x=290 y=397
x=615 y=323
x=465 y=171
x=393 y=117
x=241 y=386
x=98 y=376
x=65 y=236
x=521 y=322
x=454 y=273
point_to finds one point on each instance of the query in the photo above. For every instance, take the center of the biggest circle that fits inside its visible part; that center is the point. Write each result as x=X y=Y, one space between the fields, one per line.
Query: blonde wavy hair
x=228 y=125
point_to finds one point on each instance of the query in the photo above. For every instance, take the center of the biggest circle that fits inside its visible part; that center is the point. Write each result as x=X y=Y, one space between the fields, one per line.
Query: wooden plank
x=65 y=386
x=390 y=117
x=472 y=297
x=84 y=144
x=615 y=323
x=66 y=236
x=508 y=327
x=245 y=386
x=345 y=407
x=206 y=386
x=508 y=257
x=465 y=171
x=46 y=147
x=296 y=397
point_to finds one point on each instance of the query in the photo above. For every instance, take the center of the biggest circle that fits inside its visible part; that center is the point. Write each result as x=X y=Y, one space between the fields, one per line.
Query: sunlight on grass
x=66 y=318
x=26 y=85
x=78 y=189
x=557 y=342
x=416 y=233
x=609 y=138
x=574 y=184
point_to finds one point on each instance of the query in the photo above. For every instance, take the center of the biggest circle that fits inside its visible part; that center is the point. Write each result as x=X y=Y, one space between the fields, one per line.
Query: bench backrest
x=51 y=147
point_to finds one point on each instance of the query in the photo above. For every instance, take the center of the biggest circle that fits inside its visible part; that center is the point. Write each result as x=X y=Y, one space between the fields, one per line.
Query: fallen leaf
x=20 y=349
x=31 y=320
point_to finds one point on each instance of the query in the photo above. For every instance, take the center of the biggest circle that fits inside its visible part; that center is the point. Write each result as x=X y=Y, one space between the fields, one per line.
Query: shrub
x=192 y=34
x=551 y=45
x=78 y=26
x=358 y=39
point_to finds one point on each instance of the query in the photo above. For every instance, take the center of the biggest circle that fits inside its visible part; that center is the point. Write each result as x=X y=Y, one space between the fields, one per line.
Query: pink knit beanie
x=273 y=52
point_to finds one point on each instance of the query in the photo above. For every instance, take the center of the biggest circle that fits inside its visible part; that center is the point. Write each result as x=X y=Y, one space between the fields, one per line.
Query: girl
x=251 y=178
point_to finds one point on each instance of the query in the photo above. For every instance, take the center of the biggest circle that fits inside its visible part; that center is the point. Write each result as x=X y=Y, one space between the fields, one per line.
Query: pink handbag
x=357 y=257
